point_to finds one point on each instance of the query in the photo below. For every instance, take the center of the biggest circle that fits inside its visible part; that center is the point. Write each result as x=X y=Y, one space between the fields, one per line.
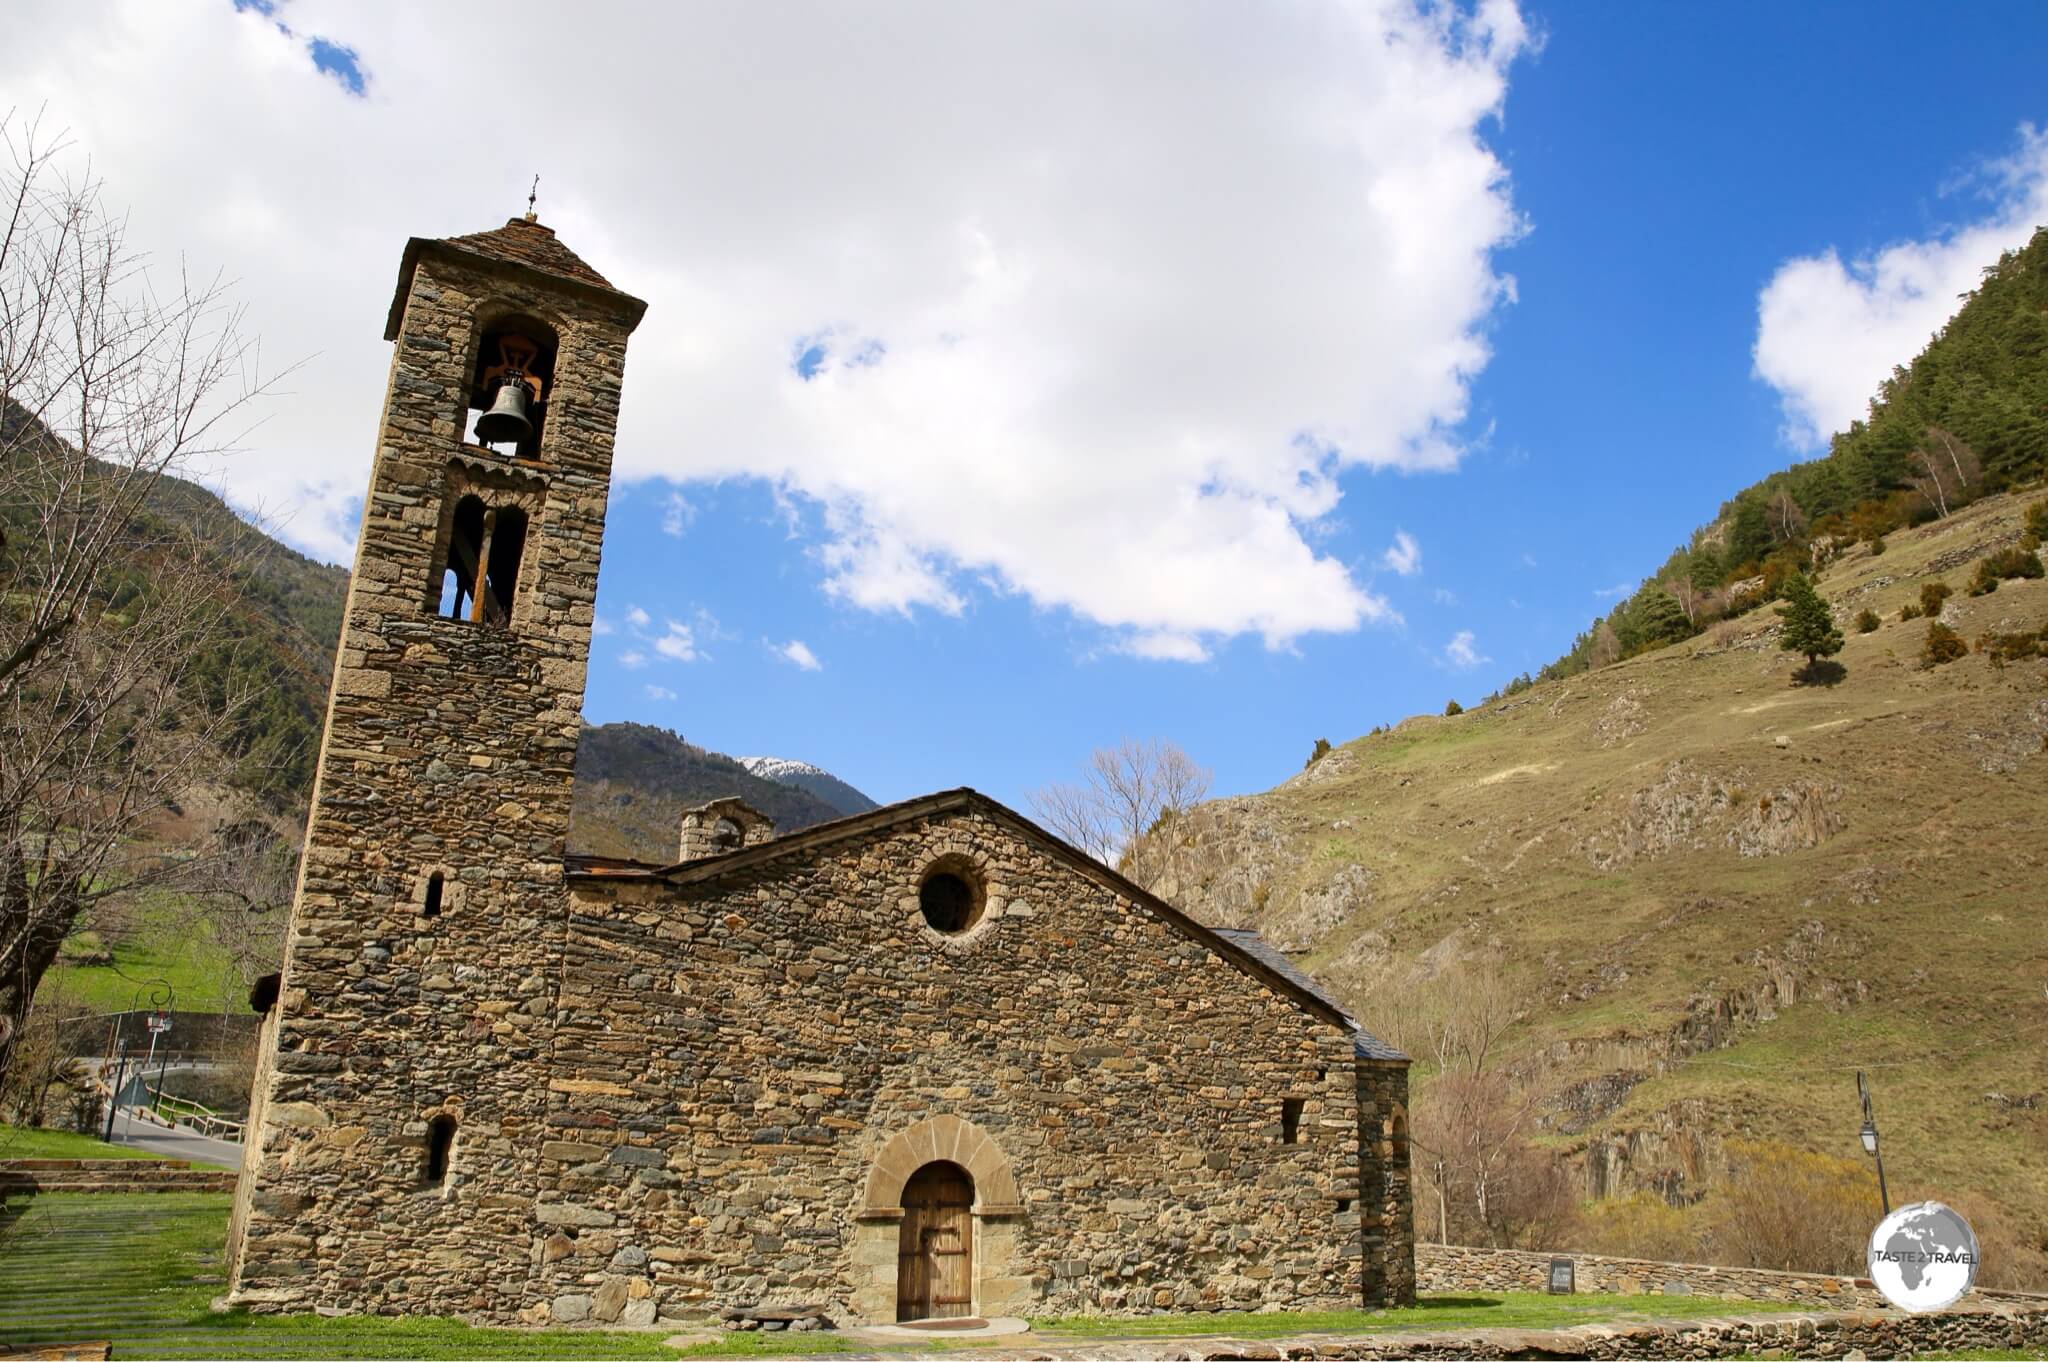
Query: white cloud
x=659 y=692
x=676 y=515
x=599 y=626
x=1444 y=596
x=799 y=652
x=1404 y=555
x=1166 y=645
x=678 y=644
x=1828 y=332
x=638 y=618
x=1618 y=590
x=632 y=659
x=1461 y=652
x=1114 y=350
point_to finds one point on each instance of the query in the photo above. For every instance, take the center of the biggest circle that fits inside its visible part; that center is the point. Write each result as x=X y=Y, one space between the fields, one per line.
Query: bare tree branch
x=110 y=381
x=1126 y=792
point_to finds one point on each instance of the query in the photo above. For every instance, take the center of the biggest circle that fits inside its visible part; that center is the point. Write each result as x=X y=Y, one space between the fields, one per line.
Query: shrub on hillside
x=2004 y=565
x=1641 y=1225
x=1943 y=645
x=2004 y=648
x=1453 y=708
x=1877 y=546
x=1867 y=622
x=1791 y=1210
x=2011 y=1258
x=1932 y=595
x=1908 y=612
x=2037 y=524
x=1322 y=749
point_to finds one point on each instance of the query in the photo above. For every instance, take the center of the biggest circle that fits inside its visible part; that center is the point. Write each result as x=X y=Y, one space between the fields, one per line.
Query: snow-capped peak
x=780 y=768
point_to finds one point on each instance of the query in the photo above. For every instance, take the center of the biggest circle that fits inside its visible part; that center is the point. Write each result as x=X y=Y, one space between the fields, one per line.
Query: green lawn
x=141 y=1272
x=1516 y=1310
x=17 y=1142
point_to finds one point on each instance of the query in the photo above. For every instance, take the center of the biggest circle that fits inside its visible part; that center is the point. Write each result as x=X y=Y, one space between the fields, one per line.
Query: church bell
x=508 y=418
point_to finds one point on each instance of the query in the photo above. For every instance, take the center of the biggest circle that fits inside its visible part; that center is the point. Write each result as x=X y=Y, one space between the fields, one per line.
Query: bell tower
x=396 y=1122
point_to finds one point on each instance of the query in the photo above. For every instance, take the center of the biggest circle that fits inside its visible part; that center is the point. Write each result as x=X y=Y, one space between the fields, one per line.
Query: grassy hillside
x=1714 y=894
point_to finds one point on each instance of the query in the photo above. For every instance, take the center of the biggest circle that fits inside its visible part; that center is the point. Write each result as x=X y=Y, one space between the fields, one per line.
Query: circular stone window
x=951 y=898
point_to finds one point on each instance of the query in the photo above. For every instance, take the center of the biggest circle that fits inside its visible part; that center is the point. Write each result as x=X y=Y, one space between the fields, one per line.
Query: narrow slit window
x=440 y=1148
x=431 y=907
x=1343 y=1204
x=1290 y=1120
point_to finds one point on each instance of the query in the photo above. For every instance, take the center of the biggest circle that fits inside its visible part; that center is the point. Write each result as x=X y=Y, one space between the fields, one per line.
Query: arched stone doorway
x=904 y=1196
x=935 y=1245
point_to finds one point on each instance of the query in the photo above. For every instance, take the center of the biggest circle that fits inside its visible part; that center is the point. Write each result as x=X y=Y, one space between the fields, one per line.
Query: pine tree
x=1809 y=625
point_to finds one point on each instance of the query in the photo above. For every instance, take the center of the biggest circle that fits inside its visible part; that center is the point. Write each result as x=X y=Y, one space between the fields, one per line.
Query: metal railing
x=185 y=1112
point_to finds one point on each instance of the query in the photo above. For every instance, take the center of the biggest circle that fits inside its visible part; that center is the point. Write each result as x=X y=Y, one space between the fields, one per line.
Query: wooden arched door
x=935 y=1248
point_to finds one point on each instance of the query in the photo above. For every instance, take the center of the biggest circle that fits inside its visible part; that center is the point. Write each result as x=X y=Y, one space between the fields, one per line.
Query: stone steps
x=26 y=1177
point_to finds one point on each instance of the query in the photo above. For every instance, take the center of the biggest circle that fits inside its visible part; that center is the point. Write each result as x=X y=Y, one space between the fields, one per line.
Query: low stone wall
x=21 y=1177
x=1457 y=1267
x=1840 y=1335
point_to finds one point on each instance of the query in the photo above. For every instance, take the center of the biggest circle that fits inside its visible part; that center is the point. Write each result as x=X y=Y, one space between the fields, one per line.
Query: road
x=173 y=1142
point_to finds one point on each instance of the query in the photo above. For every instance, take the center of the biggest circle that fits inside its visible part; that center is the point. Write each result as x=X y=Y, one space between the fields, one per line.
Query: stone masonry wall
x=735 y=1056
x=448 y=746
x=1387 y=1239
x=1455 y=1267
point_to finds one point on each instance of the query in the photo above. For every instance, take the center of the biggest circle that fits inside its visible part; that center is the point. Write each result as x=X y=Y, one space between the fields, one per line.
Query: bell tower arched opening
x=479 y=579
x=510 y=385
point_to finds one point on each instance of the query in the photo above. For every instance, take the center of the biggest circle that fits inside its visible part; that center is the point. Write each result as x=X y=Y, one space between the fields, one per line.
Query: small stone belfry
x=417 y=996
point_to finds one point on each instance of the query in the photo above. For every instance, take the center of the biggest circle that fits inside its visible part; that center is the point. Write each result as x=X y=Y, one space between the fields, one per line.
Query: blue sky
x=1668 y=159
x=1140 y=334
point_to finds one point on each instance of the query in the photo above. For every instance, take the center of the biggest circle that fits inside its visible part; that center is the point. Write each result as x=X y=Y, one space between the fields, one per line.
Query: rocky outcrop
x=1689 y=809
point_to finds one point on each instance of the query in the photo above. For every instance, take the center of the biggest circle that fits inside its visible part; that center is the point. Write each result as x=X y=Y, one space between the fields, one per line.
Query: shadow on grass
x=1458 y=1303
x=1821 y=672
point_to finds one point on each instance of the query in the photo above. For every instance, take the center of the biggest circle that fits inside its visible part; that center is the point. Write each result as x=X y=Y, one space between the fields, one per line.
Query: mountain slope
x=634 y=781
x=276 y=649
x=1969 y=415
x=814 y=780
x=1714 y=895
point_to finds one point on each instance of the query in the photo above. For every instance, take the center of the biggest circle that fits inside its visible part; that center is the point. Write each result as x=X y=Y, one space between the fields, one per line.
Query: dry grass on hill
x=1714 y=894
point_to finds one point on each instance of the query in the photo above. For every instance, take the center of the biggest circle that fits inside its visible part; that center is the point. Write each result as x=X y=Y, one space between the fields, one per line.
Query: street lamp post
x=1869 y=1137
x=160 y=997
x=120 y=1074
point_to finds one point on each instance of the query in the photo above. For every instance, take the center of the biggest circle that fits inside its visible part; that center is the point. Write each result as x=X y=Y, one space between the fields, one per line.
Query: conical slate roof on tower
x=524 y=241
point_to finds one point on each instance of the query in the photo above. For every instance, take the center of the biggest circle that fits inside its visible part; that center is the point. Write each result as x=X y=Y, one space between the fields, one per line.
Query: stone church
x=922 y=1062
